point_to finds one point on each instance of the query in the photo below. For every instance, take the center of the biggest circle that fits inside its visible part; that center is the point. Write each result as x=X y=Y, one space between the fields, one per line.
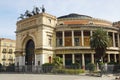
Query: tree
x=99 y=42
x=91 y=67
x=57 y=61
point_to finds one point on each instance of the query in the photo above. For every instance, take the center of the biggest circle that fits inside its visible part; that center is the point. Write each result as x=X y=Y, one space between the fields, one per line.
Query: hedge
x=68 y=71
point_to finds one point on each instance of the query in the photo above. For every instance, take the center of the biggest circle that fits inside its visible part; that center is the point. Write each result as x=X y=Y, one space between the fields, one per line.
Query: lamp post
x=100 y=67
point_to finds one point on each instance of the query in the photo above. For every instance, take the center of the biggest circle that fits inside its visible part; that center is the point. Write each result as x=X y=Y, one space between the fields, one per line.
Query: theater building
x=41 y=36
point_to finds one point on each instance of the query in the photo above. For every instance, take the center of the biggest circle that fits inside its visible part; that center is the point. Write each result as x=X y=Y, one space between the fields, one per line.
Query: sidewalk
x=53 y=77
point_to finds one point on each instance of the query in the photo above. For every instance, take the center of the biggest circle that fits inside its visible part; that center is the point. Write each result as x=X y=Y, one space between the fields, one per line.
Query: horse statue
x=36 y=10
x=28 y=13
x=21 y=16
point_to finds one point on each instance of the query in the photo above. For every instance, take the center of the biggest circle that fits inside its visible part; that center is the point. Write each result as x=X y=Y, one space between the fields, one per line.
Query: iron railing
x=49 y=69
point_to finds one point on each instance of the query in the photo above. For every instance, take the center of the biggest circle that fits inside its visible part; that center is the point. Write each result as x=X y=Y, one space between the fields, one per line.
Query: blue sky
x=11 y=9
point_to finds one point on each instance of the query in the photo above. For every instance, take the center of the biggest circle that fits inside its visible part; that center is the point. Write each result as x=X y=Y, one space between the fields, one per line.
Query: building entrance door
x=30 y=55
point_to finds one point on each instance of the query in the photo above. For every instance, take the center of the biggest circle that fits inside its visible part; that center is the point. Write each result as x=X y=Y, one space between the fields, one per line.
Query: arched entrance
x=30 y=56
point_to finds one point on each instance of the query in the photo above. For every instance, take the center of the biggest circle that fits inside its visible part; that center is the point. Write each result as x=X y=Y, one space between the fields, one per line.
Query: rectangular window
x=86 y=41
x=116 y=40
x=10 y=51
x=68 y=41
x=68 y=38
x=4 y=51
x=59 y=42
x=111 y=38
x=76 y=42
x=86 y=38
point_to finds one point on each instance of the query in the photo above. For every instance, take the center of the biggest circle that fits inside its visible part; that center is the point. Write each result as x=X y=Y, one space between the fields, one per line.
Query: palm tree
x=99 y=42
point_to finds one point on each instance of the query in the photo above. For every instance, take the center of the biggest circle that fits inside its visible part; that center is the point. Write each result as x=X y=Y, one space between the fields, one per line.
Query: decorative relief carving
x=29 y=23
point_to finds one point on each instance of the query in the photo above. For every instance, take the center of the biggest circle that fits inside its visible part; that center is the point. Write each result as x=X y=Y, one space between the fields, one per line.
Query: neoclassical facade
x=41 y=36
x=7 y=48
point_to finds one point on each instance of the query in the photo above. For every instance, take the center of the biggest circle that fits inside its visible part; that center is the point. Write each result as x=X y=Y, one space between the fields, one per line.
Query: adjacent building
x=41 y=36
x=7 y=48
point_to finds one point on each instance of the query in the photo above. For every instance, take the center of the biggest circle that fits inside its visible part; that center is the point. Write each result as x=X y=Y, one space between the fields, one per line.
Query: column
x=73 y=58
x=91 y=33
x=113 y=39
x=82 y=36
x=23 y=60
x=115 y=59
x=20 y=60
x=83 y=61
x=63 y=59
x=108 y=57
x=107 y=33
x=72 y=38
x=63 y=38
x=92 y=58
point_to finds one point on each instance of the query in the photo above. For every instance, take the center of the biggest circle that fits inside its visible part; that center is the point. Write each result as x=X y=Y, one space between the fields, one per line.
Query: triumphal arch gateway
x=34 y=37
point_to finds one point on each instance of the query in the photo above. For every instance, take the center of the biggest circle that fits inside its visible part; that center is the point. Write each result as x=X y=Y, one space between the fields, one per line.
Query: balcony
x=10 y=59
x=4 y=59
x=10 y=51
x=72 y=47
x=4 y=51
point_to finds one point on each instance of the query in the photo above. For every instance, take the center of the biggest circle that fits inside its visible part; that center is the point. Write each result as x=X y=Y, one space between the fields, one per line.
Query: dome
x=78 y=19
x=74 y=15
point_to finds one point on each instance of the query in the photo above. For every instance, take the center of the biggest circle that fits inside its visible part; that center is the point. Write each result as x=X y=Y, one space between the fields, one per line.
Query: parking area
x=13 y=76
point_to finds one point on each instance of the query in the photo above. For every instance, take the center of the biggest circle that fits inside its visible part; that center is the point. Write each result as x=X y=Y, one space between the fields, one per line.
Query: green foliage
x=114 y=63
x=48 y=67
x=47 y=64
x=100 y=64
x=57 y=61
x=91 y=67
x=75 y=66
x=99 y=42
x=69 y=71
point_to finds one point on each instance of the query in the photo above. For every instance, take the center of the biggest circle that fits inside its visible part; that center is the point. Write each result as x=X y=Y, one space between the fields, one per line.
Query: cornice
x=85 y=26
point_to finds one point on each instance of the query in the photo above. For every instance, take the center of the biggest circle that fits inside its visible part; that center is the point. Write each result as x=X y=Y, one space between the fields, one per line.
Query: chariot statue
x=36 y=10
x=28 y=13
x=22 y=16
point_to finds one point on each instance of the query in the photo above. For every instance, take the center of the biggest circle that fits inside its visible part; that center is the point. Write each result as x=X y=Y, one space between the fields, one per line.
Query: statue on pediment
x=28 y=13
x=22 y=16
x=42 y=8
x=36 y=10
